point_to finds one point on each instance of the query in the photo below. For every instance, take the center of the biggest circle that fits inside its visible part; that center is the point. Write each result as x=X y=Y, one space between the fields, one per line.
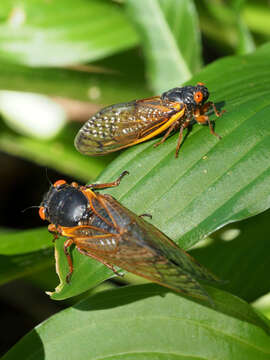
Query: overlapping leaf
x=63 y=32
x=148 y=322
x=213 y=182
x=171 y=39
x=240 y=254
x=23 y=253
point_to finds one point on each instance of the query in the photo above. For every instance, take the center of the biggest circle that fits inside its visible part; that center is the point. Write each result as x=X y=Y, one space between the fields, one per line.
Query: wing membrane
x=122 y=125
x=89 y=239
x=138 y=247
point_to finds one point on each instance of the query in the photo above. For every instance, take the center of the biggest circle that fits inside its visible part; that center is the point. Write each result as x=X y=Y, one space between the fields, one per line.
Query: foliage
x=95 y=51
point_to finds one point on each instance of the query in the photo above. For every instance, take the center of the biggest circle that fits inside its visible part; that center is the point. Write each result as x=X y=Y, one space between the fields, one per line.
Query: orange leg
x=171 y=128
x=180 y=137
x=209 y=104
x=107 y=185
x=203 y=119
x=111 y=267
x=67 y=244
x=53 y=230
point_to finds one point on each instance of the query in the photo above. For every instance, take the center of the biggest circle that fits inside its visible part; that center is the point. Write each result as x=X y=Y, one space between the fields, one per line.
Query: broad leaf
x=87 y=273
x=63 y=32
x=213 y=182
x=244 y=261
x=170 y=36
x=148 y=322
x=95 y=84
x=58 y=153
x=256 y=16
x=23 y=253
x=98 y=85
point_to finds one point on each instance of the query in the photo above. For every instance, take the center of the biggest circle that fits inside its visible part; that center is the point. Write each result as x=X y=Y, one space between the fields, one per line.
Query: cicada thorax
x=97 y=232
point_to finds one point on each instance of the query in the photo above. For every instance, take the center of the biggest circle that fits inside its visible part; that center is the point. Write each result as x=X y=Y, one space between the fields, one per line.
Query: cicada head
x=64 y=205
x=191 y=96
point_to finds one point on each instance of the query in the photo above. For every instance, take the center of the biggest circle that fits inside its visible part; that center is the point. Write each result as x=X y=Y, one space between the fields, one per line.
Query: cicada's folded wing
x=123 y=125
x=177 y=255
x=128 y=253
x=143 y=250
x=153 y=238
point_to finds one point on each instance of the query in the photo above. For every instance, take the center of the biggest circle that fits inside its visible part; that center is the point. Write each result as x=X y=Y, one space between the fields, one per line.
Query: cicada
x=122 y=125
x=103 y=229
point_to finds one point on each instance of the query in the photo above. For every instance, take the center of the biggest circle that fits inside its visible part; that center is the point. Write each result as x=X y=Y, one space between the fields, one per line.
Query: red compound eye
x=59 y=183
x=198 y=97
x=41 y=213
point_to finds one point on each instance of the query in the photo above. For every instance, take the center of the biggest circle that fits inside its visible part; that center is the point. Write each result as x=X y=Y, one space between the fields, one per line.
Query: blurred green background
x=61 y=61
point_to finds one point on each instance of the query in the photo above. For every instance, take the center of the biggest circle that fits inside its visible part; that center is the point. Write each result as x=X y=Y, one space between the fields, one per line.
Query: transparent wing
x=132 y=244
x=122 y=125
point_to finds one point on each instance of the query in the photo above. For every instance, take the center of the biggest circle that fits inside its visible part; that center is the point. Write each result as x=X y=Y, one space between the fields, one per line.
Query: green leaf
x=148 y=322
x=219 y=26
x=97 y=85
x=171 y=39
x=263 y=305
x=24 y=253
x=63 y=32
x=245 y=40
x=244 y=260
x=256 y=16
x=58 y=153
x=87 y=273
x=213 y=182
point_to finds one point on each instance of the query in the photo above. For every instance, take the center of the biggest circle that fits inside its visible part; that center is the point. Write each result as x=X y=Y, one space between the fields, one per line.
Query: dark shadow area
x=30 y=347
x=25 y=264
x=22 y=184
x=127 y=295
x=22 y=307
x=243 y=261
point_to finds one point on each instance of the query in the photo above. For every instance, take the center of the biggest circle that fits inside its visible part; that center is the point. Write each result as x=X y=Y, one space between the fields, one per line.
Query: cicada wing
x=116 y=236
x=93 y=240
x=145 y=251
x=129 y=254
x=155 y=267
x=177 y=255
x=152 y=238
x=122 y=125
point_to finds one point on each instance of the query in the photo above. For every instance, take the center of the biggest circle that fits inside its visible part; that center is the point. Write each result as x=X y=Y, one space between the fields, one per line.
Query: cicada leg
x=108 y=185
x=183 y=126
x=56 y=231
x=204 y=119
x=67 y=244
x=171 y=128
x=111 y=267
x=209 y=104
